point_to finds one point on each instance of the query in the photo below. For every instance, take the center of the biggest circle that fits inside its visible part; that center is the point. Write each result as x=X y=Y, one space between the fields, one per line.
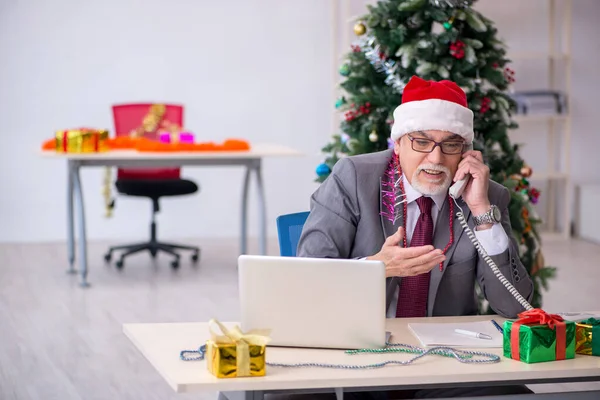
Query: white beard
x=429 y=188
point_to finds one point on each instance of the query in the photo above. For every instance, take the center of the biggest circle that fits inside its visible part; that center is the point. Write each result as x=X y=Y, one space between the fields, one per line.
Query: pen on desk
x=498 y=326
x=477 y=335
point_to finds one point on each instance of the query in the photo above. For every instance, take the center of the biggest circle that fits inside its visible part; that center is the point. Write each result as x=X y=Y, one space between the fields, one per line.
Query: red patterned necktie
x=412 y=296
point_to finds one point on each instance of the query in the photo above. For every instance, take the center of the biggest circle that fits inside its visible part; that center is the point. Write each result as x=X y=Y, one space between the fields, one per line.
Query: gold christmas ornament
x=360 y=29
x=151 y=121
x=526 y=171
x=373 y=136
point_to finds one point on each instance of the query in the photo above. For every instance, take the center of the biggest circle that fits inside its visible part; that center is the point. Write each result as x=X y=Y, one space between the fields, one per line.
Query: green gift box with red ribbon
x=537 y=336
x=588 y=337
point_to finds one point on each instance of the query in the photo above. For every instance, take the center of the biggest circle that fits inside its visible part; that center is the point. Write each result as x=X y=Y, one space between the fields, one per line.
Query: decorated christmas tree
x=438 y=39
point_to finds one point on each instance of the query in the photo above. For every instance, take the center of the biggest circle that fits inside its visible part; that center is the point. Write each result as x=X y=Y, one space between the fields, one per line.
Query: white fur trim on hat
x=433 y=114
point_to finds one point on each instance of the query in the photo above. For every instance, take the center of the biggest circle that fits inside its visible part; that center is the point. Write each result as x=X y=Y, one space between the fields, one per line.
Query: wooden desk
x=161 y=345
x=252 y=160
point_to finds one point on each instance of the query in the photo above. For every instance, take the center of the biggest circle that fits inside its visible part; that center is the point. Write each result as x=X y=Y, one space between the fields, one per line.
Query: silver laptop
x=314 y=302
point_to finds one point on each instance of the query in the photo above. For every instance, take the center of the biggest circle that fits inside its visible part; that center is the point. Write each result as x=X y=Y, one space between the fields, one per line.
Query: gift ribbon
x=95 y=139
x=539 y=316
x=242 y=342
x=595 y=323
x=64 y=141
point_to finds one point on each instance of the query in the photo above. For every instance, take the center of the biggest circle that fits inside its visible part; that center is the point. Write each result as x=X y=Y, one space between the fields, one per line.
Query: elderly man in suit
x=393 y=206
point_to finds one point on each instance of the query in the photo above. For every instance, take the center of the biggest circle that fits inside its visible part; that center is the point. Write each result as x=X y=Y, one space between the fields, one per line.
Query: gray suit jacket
x=345 y=222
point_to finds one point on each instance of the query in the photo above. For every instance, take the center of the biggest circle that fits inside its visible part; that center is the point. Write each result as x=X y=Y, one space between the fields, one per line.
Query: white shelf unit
x=557 y=180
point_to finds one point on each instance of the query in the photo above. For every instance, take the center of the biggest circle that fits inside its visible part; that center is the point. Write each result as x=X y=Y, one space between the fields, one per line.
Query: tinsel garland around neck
x=395 y=204
x=392 y=192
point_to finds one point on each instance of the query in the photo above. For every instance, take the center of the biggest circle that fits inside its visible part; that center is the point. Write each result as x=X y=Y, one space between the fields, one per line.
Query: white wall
x=258 y=69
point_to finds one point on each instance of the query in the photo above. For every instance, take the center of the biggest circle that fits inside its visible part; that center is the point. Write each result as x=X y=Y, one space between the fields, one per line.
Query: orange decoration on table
x=123 y=142
x=147 y=145
x=49 y=144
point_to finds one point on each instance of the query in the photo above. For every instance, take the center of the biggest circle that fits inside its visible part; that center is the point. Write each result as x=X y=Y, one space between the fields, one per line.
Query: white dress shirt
x=493 y=240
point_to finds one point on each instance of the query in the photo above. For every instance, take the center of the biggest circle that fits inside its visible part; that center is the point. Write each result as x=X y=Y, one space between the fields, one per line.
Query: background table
x=252 y=160
x=161 y=345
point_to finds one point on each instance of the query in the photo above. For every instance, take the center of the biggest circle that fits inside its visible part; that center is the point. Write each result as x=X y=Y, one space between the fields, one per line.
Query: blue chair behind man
x=289 y=229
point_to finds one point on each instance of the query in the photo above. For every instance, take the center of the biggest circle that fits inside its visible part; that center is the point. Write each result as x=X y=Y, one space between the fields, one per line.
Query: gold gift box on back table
x=82 y=140
x=236 y=354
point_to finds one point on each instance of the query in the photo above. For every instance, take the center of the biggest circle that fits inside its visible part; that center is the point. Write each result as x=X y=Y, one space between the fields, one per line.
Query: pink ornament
x=177 y=137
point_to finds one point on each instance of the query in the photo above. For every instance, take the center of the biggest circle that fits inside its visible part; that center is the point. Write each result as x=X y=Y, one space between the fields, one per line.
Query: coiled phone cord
x=489 y=261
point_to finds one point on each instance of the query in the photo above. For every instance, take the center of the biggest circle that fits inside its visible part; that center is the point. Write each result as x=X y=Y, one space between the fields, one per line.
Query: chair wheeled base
x=153 y=246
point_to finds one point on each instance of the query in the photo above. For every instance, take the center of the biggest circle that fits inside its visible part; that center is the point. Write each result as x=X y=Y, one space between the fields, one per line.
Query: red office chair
x=151 y=183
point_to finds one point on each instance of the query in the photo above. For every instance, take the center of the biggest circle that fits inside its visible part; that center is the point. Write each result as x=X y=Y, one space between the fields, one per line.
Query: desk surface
x=162 y=343
x=256 y=151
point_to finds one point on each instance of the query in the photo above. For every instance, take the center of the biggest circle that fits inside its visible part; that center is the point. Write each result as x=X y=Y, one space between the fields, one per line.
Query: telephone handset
x=455 y=192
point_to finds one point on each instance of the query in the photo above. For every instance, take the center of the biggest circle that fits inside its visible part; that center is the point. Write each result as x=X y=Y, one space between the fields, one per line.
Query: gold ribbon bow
x=242 y=341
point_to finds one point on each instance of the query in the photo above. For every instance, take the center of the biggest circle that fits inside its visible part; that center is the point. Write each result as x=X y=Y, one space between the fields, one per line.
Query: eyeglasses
x=423 y=145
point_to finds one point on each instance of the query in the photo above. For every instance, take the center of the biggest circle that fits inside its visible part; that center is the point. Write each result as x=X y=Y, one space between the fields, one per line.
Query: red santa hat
x=430 y=105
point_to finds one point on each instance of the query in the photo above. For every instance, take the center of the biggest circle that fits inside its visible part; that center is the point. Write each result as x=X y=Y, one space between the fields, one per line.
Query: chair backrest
x=289 y=229
x=127 y=117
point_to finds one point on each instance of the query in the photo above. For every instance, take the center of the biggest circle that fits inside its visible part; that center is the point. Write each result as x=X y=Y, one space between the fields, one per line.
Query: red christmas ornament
x=355 y=48
x=534 y=195
x=509 y=75
x=355 y=113
x=485 y=105
x=457 y=49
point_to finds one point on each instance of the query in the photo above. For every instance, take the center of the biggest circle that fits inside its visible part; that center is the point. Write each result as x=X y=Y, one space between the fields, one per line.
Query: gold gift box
x=83 y=140
x=587 y=337
x=222 y=360
x=235 y=354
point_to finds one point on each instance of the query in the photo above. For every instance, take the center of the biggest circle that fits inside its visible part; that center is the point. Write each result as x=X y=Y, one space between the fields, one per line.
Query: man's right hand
x=410 y=261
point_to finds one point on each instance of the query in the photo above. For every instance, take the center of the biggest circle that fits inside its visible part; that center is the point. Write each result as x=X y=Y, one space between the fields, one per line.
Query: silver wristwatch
x=493 y=216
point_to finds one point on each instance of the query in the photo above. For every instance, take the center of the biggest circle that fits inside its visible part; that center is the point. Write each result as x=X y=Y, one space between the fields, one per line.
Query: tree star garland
x=372 y=53
x=450 y=3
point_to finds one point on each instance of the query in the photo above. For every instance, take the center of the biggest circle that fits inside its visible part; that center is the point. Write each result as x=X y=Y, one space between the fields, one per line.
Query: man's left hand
x=476 y=191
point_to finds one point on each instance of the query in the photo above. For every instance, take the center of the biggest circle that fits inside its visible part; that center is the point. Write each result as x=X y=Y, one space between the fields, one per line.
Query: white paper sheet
x=577 y=316
x=442 y=334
